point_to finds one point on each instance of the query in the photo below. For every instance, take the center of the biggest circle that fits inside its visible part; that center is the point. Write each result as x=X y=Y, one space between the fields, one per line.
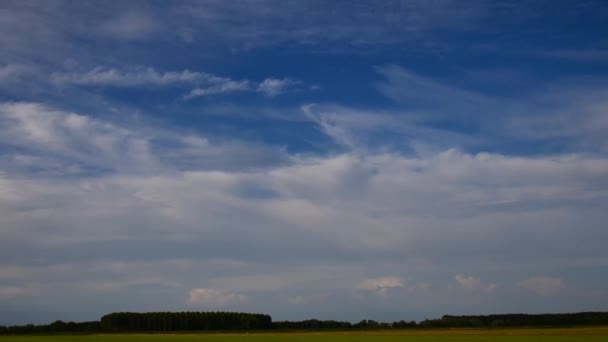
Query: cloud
x=75 y=138
x=108 y=200
x=573 y=114
x=209 y=84
x=269 y=87
x=130 y=26
x=587 y=55
x=65 y=142
x=421 y=215
x=474 y=284
x=10 y=73
x=228 y=86
x=140 y=76
x=543 y=286
x=372 y=129
x=273 y=87
x=215 y=298
x=381 y=285
x=313 y=24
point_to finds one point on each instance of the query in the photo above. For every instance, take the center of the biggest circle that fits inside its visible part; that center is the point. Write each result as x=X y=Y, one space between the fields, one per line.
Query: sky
x=341 y=160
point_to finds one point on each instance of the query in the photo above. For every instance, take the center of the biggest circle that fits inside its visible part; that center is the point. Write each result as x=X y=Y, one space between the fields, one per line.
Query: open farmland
x=448 y=335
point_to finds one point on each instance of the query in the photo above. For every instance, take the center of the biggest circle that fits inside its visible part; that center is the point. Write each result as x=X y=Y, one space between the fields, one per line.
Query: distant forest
x=236 y=321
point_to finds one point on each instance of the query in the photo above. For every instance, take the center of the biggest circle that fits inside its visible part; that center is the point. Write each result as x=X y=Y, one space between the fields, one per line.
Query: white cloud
x=380 y=285
x=215 y=298
x=269 y=87
x=140 y=76
x=208 y=84
x=471 y=207
x=78 y=138
x=543 y=286
x=273 y=87
x=573 y=113
x=225 y=87
x=351 y=128
x=474 y=284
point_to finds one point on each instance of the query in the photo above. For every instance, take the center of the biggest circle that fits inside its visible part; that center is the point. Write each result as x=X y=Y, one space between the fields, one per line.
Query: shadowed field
x=455 y=335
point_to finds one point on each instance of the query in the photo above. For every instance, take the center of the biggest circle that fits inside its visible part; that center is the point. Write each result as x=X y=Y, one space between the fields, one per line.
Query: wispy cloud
x=269 y=87
x=208 y=84
x=227 y=86
x=140 y=76
x=557 y=112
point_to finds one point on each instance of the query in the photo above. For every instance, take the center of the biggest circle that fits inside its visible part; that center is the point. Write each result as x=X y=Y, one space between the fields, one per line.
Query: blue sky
x=347 y=161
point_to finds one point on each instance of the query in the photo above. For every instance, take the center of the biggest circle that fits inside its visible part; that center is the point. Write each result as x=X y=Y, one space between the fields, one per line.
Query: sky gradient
x=336 y=160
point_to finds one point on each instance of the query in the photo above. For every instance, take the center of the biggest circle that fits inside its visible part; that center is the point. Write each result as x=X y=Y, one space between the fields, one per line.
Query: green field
x=456 y=335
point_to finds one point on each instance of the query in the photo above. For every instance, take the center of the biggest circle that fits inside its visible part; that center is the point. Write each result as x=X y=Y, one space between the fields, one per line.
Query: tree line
x=518 y=320
x=184 y=321
x=238 y=321
x=315 y=324
x=55 y=327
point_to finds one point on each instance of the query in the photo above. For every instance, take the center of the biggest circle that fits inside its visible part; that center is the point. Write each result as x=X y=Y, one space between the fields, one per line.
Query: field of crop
x=453 y=335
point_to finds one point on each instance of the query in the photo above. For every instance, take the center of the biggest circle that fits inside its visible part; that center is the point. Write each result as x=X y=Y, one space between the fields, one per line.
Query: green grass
x=452 y=335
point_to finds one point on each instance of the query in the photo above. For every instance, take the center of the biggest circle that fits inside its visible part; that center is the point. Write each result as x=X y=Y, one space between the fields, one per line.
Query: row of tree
x=184 y=321
x=518 y=320
x=315 y=324
x=55 y=327
x=236 y=321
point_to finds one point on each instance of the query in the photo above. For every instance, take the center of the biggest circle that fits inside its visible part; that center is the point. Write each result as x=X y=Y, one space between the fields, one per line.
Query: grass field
x=455 y=335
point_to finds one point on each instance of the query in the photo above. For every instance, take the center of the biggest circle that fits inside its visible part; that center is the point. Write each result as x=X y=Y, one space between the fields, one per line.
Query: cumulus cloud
x=543 y=286
x=214 y=298
x=474 y=284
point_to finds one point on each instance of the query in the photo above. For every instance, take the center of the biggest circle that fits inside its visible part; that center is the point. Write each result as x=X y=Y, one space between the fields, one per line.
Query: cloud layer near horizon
x=290 y=228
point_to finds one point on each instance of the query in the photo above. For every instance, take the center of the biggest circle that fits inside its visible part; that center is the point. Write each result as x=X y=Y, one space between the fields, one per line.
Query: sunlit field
x=456 y=335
